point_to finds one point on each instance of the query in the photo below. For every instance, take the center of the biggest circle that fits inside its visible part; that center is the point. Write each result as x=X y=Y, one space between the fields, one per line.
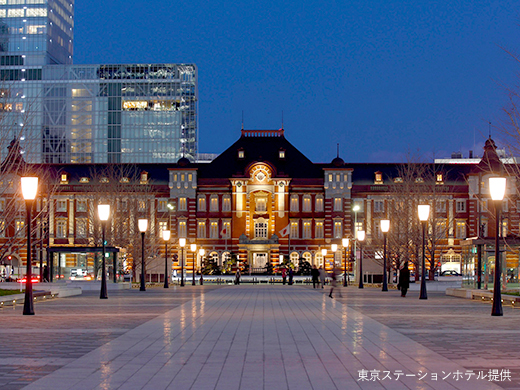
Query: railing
x=262 y=133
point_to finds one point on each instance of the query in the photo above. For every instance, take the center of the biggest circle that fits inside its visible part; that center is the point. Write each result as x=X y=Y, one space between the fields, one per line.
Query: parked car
x=450 y=272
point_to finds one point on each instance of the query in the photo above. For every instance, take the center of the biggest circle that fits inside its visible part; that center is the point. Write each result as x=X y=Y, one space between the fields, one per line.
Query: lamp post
x=143 y=226
x=182 y=244
x=424 y=213
x=345 y=243
x=385 y=227
x=202 y=252
x=361 y=238
x=104 y=213
x=497 y=188
x=356 y=208
x=29 y=188
x=193 y=248
x=166 y=237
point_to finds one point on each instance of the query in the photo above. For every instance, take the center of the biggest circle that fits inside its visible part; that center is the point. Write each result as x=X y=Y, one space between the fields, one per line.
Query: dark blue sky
x=380 y=77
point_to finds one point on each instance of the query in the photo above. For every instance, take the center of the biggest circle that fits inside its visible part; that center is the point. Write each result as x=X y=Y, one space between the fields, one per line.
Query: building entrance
x=259 y=261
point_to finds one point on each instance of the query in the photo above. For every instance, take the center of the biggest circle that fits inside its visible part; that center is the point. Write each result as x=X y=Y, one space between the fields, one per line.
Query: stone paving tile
x=222 y=353
x=65 y=329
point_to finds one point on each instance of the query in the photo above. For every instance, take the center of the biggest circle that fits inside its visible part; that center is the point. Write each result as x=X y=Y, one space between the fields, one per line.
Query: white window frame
x=261 y=229
x=201 y=203
x=338 y=229
x=61 y=205
x=319 y=229
x=306 y=206
x=201 y=229
x=162 y=205
x=226 y=203
x=460 y=205
x=213 y=203
x=182 y=228
x=295 y=206
x=183 y=204
x=294 y=229
x=379 y=206
x=307 y=229
x=318 y=203
x=338 y=204
x=213 y=230
x=61 y=228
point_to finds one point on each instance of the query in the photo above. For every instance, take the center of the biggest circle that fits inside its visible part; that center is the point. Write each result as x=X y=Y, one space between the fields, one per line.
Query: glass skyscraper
x=65 y=113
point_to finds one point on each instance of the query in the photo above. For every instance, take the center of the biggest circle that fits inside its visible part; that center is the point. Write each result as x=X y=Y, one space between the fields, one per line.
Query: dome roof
x=183 y=161
x=338 y=162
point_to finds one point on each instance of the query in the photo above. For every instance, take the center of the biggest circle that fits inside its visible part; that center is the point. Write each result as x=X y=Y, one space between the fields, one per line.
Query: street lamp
x=193 y=248
x=29 y=188
x=345 y=243
x=104 y=213
x=361 y=238
x=166 y=237
x=202 y=252
x=182 y=244
x=385 y=227
x=143 y=226
x=424 y=213
x=497 y=188
x=356 y=208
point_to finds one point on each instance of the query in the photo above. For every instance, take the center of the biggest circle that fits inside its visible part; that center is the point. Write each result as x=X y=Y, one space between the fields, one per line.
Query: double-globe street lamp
x=424 y=213
x=29 y=189
x=193 y=248
x=143 y=226
x=166 y=237
x=385 y=227
x=182 y=244
x=497 y=188
x=104 y=214
x=345 y=243
x=360 y=238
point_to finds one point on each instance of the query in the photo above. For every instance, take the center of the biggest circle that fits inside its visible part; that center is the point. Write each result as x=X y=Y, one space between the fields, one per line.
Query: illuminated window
x=330 y=177
x=201 y=203
x=104 y=180
x=84 y=180
x=201 y=229
x=182 y=204
x=261 y=205
x=141 y=205
x=15 y=13
x=144 y=177
x=260 y=229
x=19 y=225
x=379 y=206
x=213 y=203
x=64 y=178
x=460 y=229
x=398 y=180
x=294 y=203
x=226 y=229
x=338 y=204
x=319 y=203
x=307 y=203
x=294 y=229
x=163 y=225
x=378 y=178
x=2 y=204
x=306 y=229
x=35 y=12
x=162 y=205
x=2 y=228
x=281 y=154
x=240 y=154
x=439 y=178
x=319 y=230
x=338 y=230
x=226 y=203
x=182 y=229
x=504 y=228
x=213 y=230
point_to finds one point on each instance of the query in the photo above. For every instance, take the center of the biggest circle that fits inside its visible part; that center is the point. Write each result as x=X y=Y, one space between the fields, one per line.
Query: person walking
x=322 y=276
x=284 y=275
x=333 y=282
x=315 y=276
x=404 y=279
x=237 y=276
x=291 y=275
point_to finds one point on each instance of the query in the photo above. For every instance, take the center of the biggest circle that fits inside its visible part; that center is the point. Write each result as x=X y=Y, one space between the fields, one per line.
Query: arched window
x=318 y=259
x=294 y=258
x=307 y=257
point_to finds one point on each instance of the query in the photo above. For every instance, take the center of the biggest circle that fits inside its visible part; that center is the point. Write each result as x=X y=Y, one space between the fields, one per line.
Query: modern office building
x=64 y=113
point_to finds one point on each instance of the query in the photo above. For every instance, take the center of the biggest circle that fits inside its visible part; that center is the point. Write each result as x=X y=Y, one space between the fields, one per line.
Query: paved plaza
x=259 y=337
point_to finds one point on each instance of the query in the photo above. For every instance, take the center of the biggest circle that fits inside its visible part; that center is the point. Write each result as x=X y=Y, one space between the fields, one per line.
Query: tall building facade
x=64 y=113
